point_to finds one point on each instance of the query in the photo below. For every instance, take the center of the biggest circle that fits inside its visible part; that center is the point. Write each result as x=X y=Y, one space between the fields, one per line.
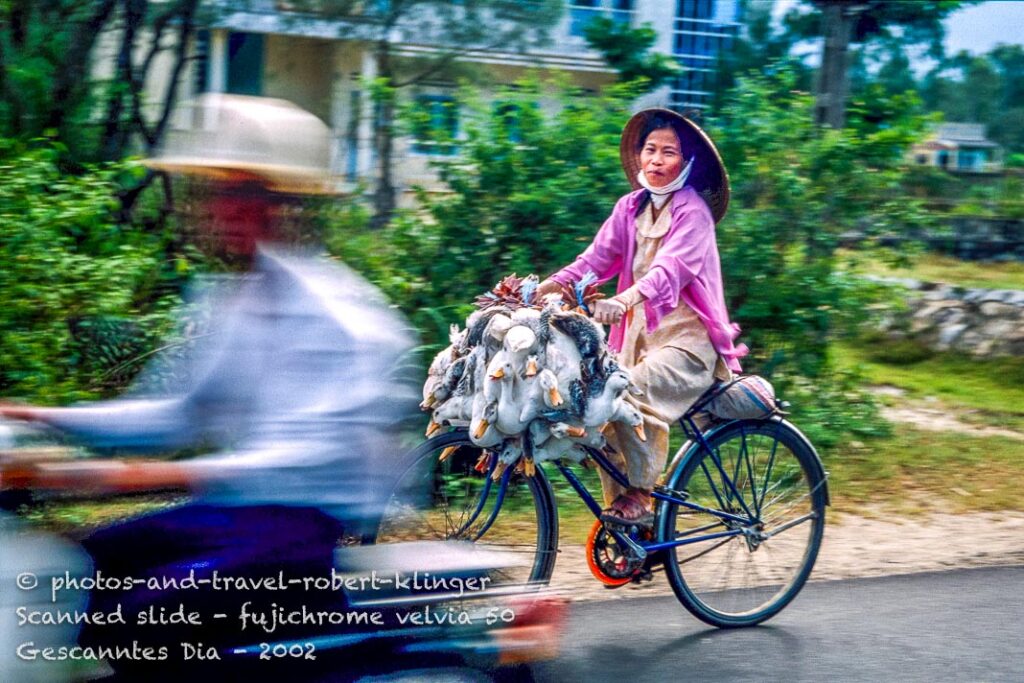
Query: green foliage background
x=531 y=187
x=83 y=294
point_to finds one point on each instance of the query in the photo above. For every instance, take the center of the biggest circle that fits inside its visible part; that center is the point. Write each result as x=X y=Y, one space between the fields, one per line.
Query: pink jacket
x=686 y=268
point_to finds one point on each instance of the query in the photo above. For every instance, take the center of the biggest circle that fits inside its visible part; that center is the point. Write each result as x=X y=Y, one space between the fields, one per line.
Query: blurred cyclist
x=295 y=384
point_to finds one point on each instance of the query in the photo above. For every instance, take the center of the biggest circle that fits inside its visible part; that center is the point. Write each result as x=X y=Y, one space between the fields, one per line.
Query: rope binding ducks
x=531 y=379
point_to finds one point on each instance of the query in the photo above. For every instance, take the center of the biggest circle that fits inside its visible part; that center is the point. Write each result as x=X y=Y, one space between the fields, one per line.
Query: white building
x=274 y=49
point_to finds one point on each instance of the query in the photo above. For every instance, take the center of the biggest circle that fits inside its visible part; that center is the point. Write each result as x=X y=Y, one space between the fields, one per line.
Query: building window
x=971 y=159
x=245 y=64
x=582 y=12
x=200 y=75
x=435 y=124
x=510 y=115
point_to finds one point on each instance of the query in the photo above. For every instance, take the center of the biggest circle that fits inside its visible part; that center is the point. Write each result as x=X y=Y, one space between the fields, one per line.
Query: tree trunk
x=74 y=70
x=185 y=33
x=384 y=197
x=837 y=17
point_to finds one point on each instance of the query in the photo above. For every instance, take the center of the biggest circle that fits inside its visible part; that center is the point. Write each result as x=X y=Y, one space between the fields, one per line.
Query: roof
x=964 y=135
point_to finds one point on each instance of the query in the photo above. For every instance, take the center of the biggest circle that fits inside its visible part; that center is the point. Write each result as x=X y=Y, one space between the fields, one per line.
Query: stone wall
x=982 y=322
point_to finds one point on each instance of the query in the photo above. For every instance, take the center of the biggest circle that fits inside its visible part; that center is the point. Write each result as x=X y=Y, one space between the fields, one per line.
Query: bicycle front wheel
x=766 y=476
x=457 y=499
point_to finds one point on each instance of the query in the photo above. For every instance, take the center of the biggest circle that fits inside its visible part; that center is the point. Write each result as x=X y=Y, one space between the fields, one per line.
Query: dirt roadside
x=875 y=545
x=853 y=547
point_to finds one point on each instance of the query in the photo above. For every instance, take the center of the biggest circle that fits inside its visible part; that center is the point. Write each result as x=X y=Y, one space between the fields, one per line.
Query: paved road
x=965 y=625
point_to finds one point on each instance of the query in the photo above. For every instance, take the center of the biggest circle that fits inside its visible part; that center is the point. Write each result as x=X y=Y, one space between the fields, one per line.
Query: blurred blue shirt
x=300 y=382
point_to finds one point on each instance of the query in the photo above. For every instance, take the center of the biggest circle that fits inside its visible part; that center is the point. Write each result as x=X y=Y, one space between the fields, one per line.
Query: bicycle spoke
x=750 y=474
x=457 y=502
x=714 y=547
x=714 y=489
x=768 y=473
x=789 y=525
x=743 y=579
x=700 y=529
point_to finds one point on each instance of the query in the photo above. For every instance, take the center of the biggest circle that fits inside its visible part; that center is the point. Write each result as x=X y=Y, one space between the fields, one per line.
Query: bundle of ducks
x=532 y=380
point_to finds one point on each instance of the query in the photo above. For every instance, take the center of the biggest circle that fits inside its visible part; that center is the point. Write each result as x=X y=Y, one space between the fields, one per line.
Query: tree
x=124 y=108
x=983 y=89
x=451 y=30
x=628 y=51
x=761 y=48
x=82 y=297
x=843 y=22
x=46 y=62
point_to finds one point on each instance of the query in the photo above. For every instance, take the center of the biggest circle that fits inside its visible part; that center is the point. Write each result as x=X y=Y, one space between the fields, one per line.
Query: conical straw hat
x=708 y=176
x=226 y=135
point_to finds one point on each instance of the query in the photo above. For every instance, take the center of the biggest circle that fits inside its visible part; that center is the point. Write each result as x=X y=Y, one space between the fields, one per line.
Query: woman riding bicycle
x=660 y=241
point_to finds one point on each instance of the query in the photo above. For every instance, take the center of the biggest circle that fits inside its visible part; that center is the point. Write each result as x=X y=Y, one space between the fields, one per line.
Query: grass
x=938 y=268
x=917 y=471
x=78 y=517
x=993 y=386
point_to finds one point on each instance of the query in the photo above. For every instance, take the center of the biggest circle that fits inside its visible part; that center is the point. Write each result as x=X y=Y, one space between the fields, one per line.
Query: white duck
x=482 y=429
x=624 y=411
x=458 y=408
x=600 y=407
x=541 y=392
x=520 y=343
x=510 y=397
x=435 y=389
x=509 y=453
x=561 y=442
x=494 y=334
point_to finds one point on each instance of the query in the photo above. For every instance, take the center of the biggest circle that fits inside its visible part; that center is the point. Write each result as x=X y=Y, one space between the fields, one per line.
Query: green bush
x=534 y=182
x=81 y=292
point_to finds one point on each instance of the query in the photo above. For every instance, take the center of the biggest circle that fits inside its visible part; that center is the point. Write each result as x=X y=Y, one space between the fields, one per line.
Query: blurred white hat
x=225 y=136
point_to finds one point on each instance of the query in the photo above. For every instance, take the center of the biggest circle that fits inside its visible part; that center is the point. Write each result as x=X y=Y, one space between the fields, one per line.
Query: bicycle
x=739 y=519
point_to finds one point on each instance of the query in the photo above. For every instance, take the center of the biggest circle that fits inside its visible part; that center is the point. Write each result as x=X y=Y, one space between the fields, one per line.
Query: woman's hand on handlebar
x=608 y=311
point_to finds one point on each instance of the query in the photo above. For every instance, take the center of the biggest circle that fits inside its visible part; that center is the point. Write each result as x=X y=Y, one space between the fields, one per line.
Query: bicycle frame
x=730 y=492
x=697 y=437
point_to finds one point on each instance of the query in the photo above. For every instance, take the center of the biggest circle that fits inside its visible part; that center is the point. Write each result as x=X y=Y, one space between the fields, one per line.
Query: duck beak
x=498 y=471
x=497 y=374
x=433 y=428
x=641 y=434
x=555 y=397
x=529 y=468
x=446 y=453
x=576 y=431
x=428 y=403
x=481 y=428
x=531 y=368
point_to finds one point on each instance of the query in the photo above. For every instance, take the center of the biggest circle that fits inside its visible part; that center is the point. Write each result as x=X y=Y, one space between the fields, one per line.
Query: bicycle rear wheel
x=454 y=500
x=778 y=489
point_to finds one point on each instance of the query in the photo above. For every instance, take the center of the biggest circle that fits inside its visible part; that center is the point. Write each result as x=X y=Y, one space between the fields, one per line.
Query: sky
x=976 y=29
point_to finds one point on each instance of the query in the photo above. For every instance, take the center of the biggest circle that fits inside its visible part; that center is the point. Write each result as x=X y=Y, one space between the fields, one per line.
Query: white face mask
x=660 y=195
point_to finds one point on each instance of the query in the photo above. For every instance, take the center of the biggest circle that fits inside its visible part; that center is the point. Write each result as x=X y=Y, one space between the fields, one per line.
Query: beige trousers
x=671 y=367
